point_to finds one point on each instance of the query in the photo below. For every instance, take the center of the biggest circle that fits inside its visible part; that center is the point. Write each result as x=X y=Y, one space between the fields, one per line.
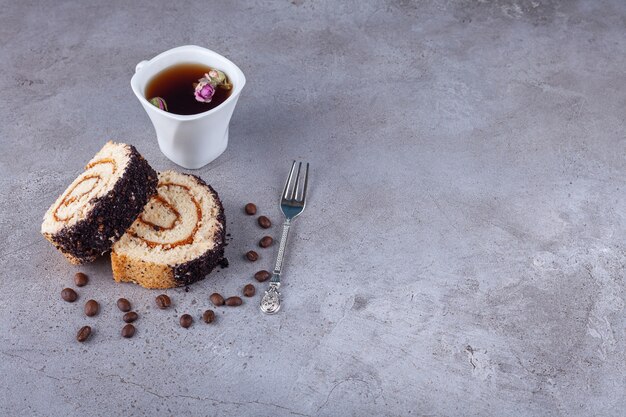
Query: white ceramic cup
x=195 y=140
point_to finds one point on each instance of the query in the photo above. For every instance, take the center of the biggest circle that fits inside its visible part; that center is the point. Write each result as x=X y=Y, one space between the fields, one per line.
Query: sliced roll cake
x=177 y=240
x=98 y=207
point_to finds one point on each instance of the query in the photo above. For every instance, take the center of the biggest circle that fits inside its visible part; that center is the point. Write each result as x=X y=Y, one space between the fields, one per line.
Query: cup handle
x=139 y=66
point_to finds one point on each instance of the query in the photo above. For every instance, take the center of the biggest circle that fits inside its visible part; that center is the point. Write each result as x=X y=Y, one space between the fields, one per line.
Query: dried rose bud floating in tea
x=205 y=88
x=179 y=88
x=159 y=102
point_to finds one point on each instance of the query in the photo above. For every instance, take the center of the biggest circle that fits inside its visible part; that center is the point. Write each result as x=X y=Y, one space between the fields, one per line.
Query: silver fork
x=292 y=203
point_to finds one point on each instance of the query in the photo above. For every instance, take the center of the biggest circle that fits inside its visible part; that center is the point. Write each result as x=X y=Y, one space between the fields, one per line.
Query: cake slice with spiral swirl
x=98 y=207
x=177 y=240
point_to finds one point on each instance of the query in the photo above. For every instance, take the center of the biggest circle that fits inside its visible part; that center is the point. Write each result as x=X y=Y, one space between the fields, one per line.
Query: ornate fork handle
x=270 y=303
x=281 y=251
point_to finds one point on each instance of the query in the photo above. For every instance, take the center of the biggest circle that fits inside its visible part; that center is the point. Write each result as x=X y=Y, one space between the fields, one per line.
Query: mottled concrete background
x=463 y=251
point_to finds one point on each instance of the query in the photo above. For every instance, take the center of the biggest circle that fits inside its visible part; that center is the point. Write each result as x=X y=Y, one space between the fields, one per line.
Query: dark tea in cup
x=176 y=86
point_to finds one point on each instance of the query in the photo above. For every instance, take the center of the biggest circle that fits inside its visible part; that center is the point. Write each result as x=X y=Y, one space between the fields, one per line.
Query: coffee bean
x=69 y=295
x=91 y=308
x=186 y=320
x=83 y=333
x=80 y=279
x=130 y=317
x=208 y=316
x=249 y=290
x=128 y=331
x=252 y=256
x=264 y=222
x=250 y=209
x=123 y=304
x=163 y=301
x=262 y=276
x=233 y=301
x=217 y=299
x=266 y=241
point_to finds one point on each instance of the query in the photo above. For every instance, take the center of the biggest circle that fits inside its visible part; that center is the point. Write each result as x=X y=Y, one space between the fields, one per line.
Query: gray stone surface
x=462 y=252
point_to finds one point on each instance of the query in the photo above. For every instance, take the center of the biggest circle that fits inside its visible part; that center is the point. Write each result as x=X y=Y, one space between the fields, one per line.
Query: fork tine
x=306 y=183
x=288 y=182
x=292 y=192
x=296 y=187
